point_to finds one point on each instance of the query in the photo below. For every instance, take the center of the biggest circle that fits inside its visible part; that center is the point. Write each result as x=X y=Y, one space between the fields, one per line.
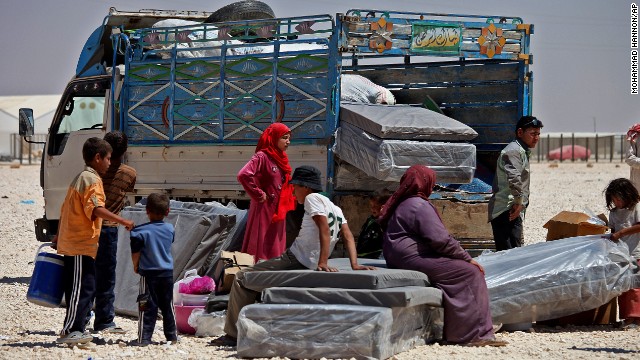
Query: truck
x=194 y=96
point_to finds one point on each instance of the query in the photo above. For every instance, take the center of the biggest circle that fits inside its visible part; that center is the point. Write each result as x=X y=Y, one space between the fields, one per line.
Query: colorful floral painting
x=491 y=41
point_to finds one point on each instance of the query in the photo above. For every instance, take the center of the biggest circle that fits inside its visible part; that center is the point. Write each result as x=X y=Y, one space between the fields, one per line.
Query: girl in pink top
x=266 y=179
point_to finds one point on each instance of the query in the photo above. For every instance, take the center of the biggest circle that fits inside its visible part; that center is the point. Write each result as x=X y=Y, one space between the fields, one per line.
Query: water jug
x=45 y=287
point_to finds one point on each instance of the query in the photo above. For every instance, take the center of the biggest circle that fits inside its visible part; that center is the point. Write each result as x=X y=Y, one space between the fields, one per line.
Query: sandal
x=113 y=330
x=224 y=340
x=497 y=327
x=75 y=337
x=486 y=342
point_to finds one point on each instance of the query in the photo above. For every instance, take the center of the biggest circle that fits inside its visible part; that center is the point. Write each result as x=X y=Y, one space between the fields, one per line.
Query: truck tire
x=242 y=10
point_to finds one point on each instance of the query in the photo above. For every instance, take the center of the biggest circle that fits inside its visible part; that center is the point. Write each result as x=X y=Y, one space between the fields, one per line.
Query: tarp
x=556 y=278
x=202 y=231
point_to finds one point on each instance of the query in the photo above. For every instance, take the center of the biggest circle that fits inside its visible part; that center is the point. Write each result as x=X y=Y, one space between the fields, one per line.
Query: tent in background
x=44 y=107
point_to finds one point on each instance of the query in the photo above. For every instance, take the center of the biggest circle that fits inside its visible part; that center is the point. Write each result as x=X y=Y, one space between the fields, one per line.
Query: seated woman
x=416 y=239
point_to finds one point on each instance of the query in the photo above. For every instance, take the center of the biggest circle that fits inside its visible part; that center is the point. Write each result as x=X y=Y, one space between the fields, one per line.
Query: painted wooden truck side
x=193 y=101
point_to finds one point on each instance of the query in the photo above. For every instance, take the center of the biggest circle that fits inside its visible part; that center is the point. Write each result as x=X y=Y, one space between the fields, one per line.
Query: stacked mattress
x=383 y=141
x=362 y=314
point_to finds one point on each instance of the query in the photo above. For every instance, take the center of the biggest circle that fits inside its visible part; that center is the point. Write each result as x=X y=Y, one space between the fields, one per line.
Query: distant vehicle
x=569 y=152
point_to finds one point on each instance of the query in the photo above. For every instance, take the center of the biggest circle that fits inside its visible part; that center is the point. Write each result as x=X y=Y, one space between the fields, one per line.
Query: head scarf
x=418 y=181
x=268 y=144
x=633 y=132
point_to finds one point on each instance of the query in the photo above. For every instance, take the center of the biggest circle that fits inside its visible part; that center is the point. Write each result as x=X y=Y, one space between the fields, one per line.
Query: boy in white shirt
x=321 y=224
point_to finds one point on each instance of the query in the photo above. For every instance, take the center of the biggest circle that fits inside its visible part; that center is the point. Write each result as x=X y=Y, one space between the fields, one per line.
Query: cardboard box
x=603 y=315
x=228 y=265
x=569 y=224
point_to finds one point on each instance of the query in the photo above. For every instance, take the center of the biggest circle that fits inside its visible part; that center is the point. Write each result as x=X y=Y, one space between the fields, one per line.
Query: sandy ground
x=28 y=331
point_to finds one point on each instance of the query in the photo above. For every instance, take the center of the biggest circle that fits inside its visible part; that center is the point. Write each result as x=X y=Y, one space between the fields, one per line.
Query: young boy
x=77 y=239
x=370 y=238
x=151 y=255
x=321 y=224
x=118 y=180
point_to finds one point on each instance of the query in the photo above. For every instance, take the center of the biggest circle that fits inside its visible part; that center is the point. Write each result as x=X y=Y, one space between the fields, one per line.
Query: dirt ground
x=28 y=331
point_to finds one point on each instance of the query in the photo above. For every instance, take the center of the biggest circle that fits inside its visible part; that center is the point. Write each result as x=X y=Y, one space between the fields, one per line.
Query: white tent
x=44 y=107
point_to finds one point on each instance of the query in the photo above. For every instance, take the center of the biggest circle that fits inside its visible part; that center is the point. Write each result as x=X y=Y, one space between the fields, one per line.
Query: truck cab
x=193 y=100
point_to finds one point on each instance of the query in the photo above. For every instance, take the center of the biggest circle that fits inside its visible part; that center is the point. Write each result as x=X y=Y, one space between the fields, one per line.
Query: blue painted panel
x=230 y=99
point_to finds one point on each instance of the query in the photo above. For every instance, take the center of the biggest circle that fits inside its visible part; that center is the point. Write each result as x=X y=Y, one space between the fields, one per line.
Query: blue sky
x=581 y=49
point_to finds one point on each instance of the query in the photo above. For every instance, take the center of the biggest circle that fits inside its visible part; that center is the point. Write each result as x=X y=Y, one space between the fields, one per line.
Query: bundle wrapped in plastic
x=556 y=278
x=360 y=89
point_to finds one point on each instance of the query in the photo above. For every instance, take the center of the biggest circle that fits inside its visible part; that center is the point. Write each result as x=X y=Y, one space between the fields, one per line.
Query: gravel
x=28 y=331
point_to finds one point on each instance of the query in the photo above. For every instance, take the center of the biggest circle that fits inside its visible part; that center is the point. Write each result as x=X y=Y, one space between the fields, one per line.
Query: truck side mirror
x=26 y=122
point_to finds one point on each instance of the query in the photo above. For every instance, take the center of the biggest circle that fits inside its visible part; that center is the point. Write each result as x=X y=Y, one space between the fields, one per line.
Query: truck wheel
x=242 y=10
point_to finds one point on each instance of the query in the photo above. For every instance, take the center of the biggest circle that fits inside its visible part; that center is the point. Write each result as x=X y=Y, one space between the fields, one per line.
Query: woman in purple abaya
x=416 y=239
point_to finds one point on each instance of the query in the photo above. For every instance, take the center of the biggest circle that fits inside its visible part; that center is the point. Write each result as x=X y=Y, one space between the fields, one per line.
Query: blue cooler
x=45 y=287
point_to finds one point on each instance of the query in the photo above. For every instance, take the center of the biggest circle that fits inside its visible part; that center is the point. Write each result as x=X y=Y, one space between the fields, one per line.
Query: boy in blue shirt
x=151 y=255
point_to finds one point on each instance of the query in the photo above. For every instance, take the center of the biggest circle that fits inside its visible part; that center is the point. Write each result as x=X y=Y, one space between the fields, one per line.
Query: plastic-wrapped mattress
x=349 y=177
x=404 y=122
x=314 y=331
x=416 y=310
x=388 y=160
x=556 y=278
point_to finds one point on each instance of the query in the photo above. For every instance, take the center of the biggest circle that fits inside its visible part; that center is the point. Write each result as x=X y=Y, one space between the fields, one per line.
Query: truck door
x=80 y=115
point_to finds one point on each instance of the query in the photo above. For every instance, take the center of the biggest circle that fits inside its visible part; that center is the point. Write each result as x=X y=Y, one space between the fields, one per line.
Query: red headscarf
x=418 y=181
x=633 y=132
x=268 y=144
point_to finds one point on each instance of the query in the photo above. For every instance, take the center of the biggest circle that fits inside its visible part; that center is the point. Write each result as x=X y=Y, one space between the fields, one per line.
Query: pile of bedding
x=362 y=314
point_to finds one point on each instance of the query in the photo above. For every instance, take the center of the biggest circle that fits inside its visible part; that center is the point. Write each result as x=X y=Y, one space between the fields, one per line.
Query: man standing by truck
x=118 y=180
x=511 y=185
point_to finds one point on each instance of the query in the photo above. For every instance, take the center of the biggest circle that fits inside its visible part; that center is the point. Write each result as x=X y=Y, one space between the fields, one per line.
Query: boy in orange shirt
x=77 y=239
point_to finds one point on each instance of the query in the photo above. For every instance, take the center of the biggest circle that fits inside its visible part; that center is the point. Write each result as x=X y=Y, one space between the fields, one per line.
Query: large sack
x=360 y=89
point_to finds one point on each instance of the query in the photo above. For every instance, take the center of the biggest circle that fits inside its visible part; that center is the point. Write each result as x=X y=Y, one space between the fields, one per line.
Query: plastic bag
x=207 y=324
x=192 y=283
x=198 y=285
x=183 y=286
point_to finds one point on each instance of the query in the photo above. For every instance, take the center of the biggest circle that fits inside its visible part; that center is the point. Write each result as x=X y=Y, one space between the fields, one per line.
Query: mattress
x=556 y=278
x=388 y=160
x=314 y=331
x=404 y=296
x=404 y=122
x=345 y=278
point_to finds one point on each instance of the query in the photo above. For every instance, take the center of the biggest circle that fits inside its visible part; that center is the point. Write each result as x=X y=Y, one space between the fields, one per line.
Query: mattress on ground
x=314 y=331
x=346 y=278
x=404 y=122
x=403 y=296
x=556 y=278
x=388 y=160
x=324 y=330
